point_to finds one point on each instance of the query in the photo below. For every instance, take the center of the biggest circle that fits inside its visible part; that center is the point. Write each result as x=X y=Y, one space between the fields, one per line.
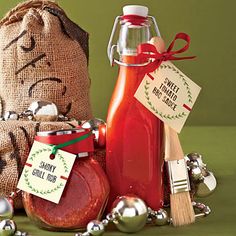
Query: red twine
x=134 y=19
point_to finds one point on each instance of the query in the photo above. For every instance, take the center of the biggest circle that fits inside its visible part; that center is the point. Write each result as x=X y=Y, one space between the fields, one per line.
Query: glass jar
x=86 y=192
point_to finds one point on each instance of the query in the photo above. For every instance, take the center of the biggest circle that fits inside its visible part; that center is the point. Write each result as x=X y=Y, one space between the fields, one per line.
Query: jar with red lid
x=86 y=192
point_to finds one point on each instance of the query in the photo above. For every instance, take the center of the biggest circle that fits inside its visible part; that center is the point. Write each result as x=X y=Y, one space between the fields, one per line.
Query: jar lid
x=135 y=10
x=60 y=132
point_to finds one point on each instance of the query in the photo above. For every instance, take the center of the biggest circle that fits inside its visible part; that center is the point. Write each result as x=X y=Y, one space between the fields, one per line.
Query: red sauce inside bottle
x=134 y=137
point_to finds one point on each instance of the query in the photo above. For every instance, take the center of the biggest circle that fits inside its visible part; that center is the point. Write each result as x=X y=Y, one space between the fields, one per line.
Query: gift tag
x=168 y=94
x=43 y=176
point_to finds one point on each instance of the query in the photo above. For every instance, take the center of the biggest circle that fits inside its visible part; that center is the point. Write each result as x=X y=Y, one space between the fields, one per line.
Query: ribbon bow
x=148 y=51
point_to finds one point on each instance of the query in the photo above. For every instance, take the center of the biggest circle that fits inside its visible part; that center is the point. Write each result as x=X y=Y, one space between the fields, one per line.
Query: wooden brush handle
x=173 y=149
x=159 y=43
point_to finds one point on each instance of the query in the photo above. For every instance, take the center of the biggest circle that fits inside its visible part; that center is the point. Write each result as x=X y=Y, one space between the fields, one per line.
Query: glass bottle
x=134 y=135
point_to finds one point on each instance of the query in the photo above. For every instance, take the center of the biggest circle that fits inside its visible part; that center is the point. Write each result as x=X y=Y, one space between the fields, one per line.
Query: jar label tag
x=45 y=175
x=168 y=94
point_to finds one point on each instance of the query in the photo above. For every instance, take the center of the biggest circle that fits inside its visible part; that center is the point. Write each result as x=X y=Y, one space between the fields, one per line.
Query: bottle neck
x=134 y=31
x=131 y=76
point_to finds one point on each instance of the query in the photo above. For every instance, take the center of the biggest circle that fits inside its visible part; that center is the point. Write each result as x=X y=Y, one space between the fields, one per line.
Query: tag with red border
x=43 y=176
x=168 y=94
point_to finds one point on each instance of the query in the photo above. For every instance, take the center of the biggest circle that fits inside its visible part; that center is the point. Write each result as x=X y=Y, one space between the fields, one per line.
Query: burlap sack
x=43 y=55
x=16 y=140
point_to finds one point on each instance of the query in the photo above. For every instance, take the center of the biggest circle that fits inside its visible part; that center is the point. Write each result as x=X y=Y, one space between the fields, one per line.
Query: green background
x=211 y=25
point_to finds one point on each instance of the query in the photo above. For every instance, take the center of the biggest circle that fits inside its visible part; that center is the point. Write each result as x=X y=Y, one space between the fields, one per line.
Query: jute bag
x=43 y=55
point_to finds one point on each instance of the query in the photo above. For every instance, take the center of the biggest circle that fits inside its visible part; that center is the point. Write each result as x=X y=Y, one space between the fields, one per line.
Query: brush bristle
x=182 y=212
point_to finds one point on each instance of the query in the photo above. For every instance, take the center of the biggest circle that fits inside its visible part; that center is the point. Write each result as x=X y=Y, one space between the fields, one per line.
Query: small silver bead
x=95 y=228
x=196 y=173
x=105 y=222
x=86 y=234
x=207 y=210
x=200 y=206
x=61 y=117
x=82 y=234
x=150 y=211
x=110 y=217
x=149 y=220
x=161 y=217
x=30 y=117
x=18 y=233
x=14 y=195
x=79 y=234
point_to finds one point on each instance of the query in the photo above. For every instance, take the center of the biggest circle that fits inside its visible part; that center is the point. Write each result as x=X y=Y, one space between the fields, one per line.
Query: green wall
x=211 y=25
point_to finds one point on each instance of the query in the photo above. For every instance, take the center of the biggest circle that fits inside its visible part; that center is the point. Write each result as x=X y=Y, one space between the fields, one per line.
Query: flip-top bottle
x=134 y=135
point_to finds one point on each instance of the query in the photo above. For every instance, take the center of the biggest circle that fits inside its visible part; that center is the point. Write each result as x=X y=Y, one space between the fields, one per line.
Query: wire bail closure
x=111 y=47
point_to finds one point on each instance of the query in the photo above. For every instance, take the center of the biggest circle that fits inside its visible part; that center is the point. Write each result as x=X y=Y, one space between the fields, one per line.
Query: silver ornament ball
x=95 y=228
x=7 y=228
x=6 y=209
x=131 y=214
x=93 y=124
x=44 y=111
x=161 y=217
x=207 y=186
x=98 y=127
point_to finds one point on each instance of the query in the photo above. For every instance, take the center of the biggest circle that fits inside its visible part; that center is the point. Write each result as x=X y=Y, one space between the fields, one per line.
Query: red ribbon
x=148 y=51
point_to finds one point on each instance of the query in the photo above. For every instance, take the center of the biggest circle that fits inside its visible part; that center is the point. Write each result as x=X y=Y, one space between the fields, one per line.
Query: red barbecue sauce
x=134 y=161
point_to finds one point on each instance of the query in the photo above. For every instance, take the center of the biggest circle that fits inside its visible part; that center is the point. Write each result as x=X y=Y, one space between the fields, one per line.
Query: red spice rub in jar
x=83 y=199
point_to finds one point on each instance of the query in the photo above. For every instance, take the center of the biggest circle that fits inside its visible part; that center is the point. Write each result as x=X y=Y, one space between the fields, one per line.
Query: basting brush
x=182 y=212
